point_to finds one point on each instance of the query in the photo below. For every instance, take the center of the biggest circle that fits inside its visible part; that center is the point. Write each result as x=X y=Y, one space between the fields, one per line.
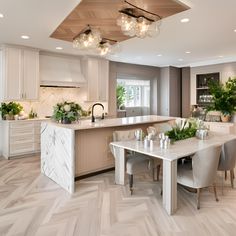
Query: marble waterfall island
x=73 y=150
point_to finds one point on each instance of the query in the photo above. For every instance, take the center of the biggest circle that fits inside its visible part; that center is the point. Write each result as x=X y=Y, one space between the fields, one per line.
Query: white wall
x=226 y=70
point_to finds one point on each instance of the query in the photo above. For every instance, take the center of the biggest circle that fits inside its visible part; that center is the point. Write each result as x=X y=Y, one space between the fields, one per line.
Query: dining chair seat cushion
x=185 y=174
x=138 y=164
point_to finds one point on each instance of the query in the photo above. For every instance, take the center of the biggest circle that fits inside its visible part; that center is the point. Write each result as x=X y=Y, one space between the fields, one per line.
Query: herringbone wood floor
x=31 y=204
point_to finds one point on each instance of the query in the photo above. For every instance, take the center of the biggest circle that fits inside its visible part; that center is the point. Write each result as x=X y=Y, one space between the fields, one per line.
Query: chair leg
x=226 y=175
x=198 y=198
x=157 y=168
x=222 y=185
x=214 y=188
x=131 y=180
x=232 y=178
x=158 y=171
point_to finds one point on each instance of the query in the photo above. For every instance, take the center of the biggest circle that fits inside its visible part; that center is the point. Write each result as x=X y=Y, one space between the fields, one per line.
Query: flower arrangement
x=184 y=128
x=66 y=112
x=9 y=110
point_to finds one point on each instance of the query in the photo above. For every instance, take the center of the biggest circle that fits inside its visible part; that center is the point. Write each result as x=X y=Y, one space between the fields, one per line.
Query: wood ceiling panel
x=102 y=14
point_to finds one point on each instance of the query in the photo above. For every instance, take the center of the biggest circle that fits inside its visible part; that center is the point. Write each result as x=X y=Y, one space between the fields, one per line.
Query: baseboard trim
x=93 y=174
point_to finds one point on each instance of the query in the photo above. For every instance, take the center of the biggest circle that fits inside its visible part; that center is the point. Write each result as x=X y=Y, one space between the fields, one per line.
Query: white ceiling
x=209 y=34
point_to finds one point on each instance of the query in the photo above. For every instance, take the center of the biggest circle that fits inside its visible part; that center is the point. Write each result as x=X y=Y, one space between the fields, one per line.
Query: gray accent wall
x=170 y=91
x=186 y=107
x=139 y=71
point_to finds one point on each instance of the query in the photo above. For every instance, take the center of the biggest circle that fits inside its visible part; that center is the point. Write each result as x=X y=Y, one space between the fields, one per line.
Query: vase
x=9 y=117
x=66 y=121
x=225 y=118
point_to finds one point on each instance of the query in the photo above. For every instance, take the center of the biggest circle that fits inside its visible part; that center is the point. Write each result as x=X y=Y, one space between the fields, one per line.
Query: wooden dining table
x=170 y=158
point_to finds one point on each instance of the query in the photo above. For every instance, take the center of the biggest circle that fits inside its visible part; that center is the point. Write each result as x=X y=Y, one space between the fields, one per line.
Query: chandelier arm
x=87 y=28
x=143 y=10
x=111 y=40
x=132 y=15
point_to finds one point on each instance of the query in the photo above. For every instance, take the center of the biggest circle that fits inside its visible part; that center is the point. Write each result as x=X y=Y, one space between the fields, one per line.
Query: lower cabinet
x=20 y=137
x=221 y=127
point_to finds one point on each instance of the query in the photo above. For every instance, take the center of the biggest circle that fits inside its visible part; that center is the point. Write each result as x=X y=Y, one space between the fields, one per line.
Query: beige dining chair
x=201 y=172
x=162 y=127
x=136 y=163
x=228 y=160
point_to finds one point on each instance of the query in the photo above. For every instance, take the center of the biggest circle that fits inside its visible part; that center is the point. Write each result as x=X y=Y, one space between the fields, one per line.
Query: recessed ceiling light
x=159 y=55
x=184 y=20
x=187 y=52
x=25 y=37
x=235 y=30
x=1 y=15
x=220 y=56
x=59 y=48
x=180 y=59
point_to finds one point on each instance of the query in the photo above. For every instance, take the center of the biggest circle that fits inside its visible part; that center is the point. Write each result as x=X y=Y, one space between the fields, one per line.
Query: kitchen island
x=73 y=150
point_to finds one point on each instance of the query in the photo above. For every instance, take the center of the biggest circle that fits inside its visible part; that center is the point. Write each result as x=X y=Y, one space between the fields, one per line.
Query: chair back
x=162 y=127
x=124 y=135
x=205 y=164
x=228 y=156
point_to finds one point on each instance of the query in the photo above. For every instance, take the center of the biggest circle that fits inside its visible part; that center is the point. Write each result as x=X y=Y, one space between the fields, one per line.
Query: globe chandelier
x=135 y=21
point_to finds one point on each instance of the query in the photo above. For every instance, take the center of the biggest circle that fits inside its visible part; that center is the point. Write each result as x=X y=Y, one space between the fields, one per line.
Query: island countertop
x=112 y=122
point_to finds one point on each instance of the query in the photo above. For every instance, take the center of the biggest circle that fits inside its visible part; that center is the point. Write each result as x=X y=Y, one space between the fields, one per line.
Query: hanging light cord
x=143 y=10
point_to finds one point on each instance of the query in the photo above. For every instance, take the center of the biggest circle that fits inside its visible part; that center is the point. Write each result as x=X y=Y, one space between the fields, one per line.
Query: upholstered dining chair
x=228 y=159
x=136 y=163
x=201 y=172
x=162 y=127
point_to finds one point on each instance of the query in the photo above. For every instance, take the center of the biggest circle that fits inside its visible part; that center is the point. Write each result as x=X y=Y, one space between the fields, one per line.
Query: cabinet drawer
x=22 y=138
x=21 y=129
x=19 y=148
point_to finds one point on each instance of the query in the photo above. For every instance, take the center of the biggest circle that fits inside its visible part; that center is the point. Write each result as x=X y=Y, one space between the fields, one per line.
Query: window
x=137 y=92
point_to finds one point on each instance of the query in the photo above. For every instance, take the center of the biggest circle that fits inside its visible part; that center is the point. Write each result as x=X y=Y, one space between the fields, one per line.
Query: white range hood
x=58 y=70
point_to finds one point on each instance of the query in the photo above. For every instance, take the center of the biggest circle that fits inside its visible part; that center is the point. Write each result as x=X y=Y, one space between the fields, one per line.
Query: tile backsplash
x=48 y=97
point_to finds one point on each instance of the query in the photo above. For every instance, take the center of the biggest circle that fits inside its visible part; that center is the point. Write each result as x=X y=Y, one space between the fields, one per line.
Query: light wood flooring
x=32 y=204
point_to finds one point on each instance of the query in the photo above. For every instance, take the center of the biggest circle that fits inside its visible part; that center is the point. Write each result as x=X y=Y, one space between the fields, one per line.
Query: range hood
x=60 y=71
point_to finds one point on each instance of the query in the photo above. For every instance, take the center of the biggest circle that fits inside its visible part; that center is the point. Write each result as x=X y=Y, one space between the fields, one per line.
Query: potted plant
x=9 y=110
x=66 y=112
x=120 y=96
x=224 y=98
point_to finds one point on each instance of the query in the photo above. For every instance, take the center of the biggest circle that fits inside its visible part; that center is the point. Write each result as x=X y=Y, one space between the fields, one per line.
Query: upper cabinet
x=96 y=72
x=60 y=70
x=19 y=78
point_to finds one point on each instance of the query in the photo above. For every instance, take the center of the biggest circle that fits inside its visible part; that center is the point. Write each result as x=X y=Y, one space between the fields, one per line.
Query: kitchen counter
x=114 y=122
x=74 y=150
x=26 y=120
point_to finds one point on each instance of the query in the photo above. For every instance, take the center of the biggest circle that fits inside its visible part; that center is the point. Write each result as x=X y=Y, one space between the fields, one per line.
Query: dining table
x=170 y=157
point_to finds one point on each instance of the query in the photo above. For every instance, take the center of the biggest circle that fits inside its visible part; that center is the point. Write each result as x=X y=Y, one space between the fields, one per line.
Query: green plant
x=224 y=97
x=120 y=95
x=69 y=111
x=11 y=109
x=183 y=129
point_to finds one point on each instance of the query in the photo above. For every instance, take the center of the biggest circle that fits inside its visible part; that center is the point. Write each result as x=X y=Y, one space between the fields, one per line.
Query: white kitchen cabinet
x=19 y=74
x=96 y=72
x=20 y=137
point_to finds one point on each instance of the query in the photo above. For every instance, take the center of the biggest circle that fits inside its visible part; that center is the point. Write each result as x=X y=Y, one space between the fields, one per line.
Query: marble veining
x=57 y=155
